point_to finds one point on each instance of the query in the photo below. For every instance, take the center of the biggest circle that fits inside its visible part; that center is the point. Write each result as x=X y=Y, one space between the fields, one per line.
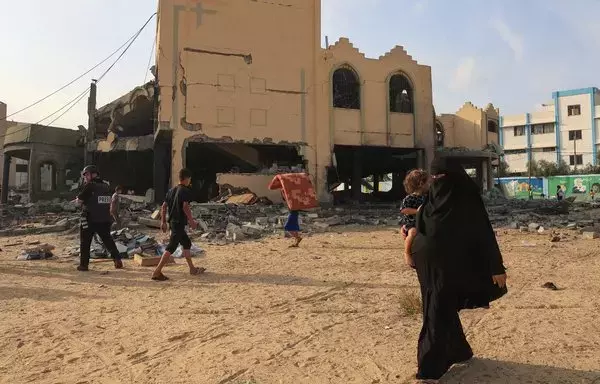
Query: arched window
x=439 y=134
x=401 y=94
x=492 y=126
x=346 y=89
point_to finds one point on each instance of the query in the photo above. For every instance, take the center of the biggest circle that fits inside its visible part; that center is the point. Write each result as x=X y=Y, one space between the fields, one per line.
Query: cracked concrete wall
x=252 y=84
x=269 y=80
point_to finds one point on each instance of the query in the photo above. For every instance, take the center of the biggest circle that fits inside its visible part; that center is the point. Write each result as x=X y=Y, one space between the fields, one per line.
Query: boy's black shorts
x=178 y=236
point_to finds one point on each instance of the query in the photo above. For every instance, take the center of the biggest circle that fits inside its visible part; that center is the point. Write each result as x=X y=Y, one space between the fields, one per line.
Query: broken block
x=590 y=235
x=146 y=260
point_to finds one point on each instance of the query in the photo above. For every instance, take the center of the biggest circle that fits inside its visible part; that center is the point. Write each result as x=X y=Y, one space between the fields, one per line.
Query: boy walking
x=115 y=207
x=176 y=211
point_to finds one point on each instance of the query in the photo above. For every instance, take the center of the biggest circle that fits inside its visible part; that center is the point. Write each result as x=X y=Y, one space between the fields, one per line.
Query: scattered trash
x=40 y=252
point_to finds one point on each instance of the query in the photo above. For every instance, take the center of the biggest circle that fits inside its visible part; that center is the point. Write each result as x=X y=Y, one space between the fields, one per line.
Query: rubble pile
x=229 y=194
x=541 y=213
x=238 y=214
x=60 y=215
x=128 y=241
x=222 y=223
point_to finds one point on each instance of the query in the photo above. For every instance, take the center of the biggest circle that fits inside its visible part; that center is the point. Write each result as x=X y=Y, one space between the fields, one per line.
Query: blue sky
x=509 y=52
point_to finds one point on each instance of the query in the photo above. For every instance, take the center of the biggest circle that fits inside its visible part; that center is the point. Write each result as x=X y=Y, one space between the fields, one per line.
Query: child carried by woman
x=415 y=184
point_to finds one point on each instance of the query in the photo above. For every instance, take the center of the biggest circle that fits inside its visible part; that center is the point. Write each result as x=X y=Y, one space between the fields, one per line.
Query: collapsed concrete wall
x=257 y=183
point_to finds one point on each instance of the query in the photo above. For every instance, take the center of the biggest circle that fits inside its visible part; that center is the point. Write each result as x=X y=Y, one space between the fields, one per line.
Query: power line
x=78 y=98
x=126 y=48
x=63 y=107
x=71 y=107
x=150 y=60
x=80 y=76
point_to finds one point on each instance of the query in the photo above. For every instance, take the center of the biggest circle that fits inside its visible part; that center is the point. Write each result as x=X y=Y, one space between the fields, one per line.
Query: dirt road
x=336 y=310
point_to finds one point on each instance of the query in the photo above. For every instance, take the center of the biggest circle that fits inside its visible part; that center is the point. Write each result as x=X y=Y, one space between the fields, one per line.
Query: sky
x=511 y=53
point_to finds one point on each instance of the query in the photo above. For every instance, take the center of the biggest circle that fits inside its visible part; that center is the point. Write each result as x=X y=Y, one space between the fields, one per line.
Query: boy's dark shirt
x=175 y=199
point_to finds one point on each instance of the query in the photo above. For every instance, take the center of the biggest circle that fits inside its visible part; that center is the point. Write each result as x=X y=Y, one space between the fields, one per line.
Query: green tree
x=545 y=168
x=588 y=170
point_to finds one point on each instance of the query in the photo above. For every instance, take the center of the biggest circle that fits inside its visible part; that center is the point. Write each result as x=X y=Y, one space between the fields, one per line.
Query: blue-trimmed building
x=564 y=129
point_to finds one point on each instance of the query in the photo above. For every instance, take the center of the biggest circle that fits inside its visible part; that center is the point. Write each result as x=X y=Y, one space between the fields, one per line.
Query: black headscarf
x=451 y=201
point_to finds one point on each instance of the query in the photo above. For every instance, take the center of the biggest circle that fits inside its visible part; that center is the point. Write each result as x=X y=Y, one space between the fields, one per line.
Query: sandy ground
x=329 y=312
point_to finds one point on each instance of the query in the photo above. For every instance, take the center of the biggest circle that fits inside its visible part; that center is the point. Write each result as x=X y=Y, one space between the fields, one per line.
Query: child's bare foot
x=197 y=271
x=159 y=277
x=297 y=243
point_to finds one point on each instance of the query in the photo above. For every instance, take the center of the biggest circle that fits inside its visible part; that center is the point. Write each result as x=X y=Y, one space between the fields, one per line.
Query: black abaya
x=456 y=254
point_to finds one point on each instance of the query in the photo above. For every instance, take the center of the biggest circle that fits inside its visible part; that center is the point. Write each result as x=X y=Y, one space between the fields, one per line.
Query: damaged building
x=48 y=161
x=121 y=142
x=237 y=105
x=470 y=136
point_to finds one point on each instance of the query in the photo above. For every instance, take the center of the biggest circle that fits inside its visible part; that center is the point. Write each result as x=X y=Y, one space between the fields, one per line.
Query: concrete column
x=357 y=176
x=397 y=186
x=162 y=168
x=59 y=179
x=5 y=178
x=376 y=180
x=33 y=174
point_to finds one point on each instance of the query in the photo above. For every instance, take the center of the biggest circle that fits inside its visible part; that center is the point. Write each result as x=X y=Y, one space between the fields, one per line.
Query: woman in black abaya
x=459 y=266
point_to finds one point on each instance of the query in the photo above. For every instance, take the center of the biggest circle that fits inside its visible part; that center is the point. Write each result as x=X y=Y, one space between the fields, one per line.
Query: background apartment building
x=564 y=129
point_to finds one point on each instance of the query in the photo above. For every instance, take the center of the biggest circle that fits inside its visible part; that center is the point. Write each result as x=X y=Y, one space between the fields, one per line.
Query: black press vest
x=97 y=206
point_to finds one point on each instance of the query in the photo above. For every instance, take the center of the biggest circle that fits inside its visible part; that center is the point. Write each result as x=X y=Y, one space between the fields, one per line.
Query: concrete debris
x=60 y=215
x=129 y=242
x=229 y=194
x=37 y=252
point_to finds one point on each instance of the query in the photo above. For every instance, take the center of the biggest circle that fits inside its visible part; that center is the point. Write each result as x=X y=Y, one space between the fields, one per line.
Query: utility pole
x=91 y=132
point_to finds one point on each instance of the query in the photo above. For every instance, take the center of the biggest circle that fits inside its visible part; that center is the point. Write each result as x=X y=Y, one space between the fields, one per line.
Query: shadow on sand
x=480 y=371
x=137 y=278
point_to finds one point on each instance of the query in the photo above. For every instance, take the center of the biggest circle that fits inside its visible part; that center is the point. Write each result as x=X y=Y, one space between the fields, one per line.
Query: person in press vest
x=95 y=198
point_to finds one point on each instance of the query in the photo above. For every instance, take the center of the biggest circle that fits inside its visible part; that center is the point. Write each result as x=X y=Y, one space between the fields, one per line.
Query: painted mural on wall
x=518 y=187
x=583 y=187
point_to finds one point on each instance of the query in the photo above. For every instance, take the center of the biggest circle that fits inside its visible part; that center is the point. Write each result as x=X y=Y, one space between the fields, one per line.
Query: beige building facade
x=471 y=135
x=266 y=93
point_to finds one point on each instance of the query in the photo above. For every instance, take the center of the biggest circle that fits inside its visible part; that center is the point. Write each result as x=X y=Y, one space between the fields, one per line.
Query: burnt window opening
x=47 y=177
x=492 y=126
x=439 y=134
x=401 y=94
x=346 y=89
